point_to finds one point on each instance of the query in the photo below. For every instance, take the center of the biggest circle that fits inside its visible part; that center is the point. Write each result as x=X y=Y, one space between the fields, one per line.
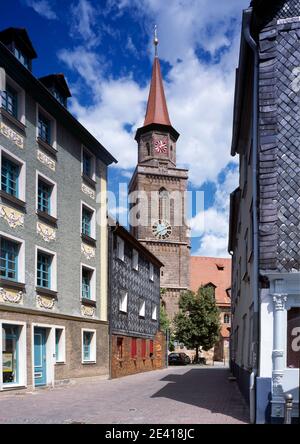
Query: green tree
x=198 y=322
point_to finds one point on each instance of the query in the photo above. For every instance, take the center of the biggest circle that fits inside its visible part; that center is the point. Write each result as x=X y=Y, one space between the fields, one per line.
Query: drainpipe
x=255 y=275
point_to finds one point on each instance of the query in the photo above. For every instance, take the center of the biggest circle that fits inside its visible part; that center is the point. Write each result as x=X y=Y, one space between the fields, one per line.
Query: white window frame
x=53 y=126
x=22 y=175
x=53 y=197
x=142 y=308
x=154 y=312
x=120 y=249
x=92 y=282
x=93 y=359
x=135 y=260
x=21 y=98
x=151 y=272
x=22 y=354
x=53 y=273
x=61 y=345
x=123 y=301
x=93 y=157
x=21 y=255
x=93 y=220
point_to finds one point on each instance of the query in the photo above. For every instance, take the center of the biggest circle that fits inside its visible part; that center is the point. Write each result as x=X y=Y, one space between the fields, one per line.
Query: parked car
x=178 y=359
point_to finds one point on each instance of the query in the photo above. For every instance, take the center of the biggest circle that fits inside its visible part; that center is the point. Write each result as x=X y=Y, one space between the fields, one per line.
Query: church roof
x=157 y=110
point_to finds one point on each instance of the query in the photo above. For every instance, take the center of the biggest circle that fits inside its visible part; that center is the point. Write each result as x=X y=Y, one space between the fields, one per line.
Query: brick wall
x=123 y=364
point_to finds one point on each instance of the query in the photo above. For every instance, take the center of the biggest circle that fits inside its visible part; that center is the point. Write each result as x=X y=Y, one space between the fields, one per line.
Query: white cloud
x=42 y=7
x=84 y=19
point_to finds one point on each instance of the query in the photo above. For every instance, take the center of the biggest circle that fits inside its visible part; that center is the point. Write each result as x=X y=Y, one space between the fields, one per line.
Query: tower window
x=164 y=204
x=148 y=148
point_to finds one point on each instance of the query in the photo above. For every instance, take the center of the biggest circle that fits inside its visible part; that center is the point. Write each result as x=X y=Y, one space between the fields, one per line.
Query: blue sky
x=104 y=47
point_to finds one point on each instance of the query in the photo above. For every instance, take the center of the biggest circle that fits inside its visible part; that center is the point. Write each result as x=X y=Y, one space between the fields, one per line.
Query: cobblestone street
x=177 y=395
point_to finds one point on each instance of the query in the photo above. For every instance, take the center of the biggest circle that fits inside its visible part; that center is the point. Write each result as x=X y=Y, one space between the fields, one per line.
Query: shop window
x=133 y=347
x=120 y=348
x=10 y=354
x=293 y=337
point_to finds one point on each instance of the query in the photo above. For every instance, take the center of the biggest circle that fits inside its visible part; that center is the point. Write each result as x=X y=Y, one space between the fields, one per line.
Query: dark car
x=178 y=359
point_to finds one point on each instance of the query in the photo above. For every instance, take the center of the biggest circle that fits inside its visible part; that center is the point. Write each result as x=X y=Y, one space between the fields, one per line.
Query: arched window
x=148 y=148
x=164 y=204
x=226 y=318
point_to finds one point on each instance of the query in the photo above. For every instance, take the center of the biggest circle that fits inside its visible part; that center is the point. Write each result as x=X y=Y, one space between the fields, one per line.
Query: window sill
x=46 y=146
x=47 y=218
x=89 y=180
x=123 y=312
x=90 y=302
x=46 y=292
x=12 y=284
x=141 y=317
x=88 y=362
x=13 y=120
x=60 y=363
x=89 y=240
x=13 y=200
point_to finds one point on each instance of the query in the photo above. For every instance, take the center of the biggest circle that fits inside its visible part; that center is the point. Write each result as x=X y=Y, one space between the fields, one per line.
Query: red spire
x=157 y=111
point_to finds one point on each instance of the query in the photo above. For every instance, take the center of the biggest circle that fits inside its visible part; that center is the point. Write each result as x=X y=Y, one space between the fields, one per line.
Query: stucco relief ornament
x=47 y=303
x=13 y=218
x=14 y=298
x=279 y=301
x=87 y=311
x=87 y=190
x=12 y=135
x=88 y=251
x=277 y=383
x=42 y=157
x=47 y=233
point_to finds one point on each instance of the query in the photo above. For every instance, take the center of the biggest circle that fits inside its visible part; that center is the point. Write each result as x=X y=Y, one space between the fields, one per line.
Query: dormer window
x=62 y=100
x=57 y=85
x=22 y=58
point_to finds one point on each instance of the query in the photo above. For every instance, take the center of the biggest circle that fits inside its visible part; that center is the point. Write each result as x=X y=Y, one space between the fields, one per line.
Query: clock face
x=161 y=145
x=162 y=229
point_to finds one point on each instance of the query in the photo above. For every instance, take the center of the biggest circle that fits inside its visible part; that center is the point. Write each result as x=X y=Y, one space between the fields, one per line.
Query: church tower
x=161 y=188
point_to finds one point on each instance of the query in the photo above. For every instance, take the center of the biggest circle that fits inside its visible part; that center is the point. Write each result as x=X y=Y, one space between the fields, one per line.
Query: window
x=44 y=196
x=151 y=352
x=148 y=148
x=133 y=348
x=10 y=101
x=212 y=288
x=226 y=318
x=44 y=128
x=59 y=344
x=46 y=192
x=88 y=164
x=120 y=248
x=151 y=272
x=22 y=57
x=88 y=283
x=144 y=348
x=61 y=99
x=120 y=348
x=142 y=308
x=10 y=354
x=135 y=260
x=154 y=312
x=9 y=251
x=164 y=204
x=44 y=270
x=86 y=221
x=123 y=301
x=88 y=346
x=10 y=177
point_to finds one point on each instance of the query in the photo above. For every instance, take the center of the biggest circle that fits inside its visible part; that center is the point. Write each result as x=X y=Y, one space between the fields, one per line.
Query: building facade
x=264 y=220
x=216 y=274
x=160 y=187
x=53 y=254
x=137 y=344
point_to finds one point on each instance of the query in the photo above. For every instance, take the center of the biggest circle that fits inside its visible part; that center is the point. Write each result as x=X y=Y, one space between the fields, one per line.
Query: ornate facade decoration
x=88 y=251
x=277 y=378
x=46 y=160
x=87 y=310
x=14 y=297
x=47 y=233
x=13 y=217
x=45 y=302
x=12 y=135
x=279 y=301
x=87 y=190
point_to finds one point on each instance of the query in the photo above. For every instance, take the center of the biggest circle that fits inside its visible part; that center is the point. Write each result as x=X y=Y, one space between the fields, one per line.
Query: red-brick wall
x=127 y=365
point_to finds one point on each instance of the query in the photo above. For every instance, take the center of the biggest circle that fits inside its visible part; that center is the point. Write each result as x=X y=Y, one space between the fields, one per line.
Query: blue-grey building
x=53 y=232
x=265 y=216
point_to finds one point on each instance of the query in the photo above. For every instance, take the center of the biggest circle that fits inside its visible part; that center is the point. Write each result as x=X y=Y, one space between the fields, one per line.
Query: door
x=40 y=377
